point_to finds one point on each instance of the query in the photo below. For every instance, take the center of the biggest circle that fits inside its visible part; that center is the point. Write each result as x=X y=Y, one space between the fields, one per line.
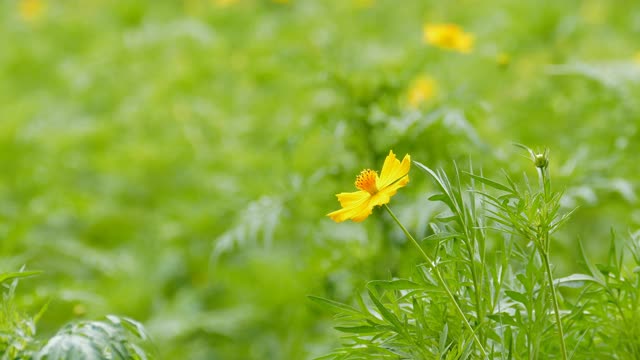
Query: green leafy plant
x=17 y=331
x=115 y=338
x=486 y=288
x=112 y=339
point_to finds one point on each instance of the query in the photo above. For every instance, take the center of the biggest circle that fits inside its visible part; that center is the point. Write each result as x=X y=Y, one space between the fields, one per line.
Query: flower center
x=366 y=181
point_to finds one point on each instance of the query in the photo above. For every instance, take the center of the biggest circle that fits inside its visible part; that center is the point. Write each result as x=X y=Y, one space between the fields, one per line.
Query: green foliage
x=116 y=338
x=173 y=162
x=110 y=339
x=17 y=331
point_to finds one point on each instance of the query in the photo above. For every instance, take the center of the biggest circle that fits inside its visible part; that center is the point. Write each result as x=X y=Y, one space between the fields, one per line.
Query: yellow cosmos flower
x=422 y=89
x=636 y=57
x=448 y=36
x=31 y=10
x=373 y=190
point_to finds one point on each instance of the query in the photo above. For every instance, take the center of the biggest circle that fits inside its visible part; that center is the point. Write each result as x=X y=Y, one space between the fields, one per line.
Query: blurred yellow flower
x=31 y=10
x=373 y=190
x=448 y=36
x=422 y=89
x=363 y=4
x=594 y=12
x=224 y=3
x=636 y=57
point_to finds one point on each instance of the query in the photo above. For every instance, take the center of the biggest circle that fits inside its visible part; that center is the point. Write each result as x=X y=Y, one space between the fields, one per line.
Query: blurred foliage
x=173 y=161
x=118 y=338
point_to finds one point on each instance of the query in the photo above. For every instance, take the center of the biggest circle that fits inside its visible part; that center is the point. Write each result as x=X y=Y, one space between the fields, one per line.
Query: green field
x=173 y=162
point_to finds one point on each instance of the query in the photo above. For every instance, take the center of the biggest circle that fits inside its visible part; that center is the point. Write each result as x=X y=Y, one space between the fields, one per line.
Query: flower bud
x=541 y=160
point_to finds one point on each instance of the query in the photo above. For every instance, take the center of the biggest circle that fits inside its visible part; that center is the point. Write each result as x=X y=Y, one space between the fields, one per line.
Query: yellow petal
x=393 y=170
x=385 y=194
x=357 y=209
x=31 y=10
x=363 y=213
x=448 y=36
x=465 y=43
x=352 y=199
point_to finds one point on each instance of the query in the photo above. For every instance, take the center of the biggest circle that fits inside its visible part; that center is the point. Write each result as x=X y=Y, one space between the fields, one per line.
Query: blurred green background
x=173 y=161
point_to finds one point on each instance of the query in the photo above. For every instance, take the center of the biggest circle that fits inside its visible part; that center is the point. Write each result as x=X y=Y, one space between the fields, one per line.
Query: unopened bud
x=541 y=160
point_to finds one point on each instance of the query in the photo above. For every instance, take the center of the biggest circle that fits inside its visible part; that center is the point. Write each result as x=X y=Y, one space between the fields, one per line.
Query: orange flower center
x=366 y=181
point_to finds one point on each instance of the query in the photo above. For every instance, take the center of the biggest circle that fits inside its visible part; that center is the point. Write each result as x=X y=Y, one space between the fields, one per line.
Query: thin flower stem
x=544 y=247
x=556 y=308
x=440 y=278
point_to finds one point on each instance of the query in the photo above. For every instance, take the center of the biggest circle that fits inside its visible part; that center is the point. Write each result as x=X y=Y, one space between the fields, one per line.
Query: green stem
x=545 y=245
x=476 y=283
x=440 y=278
x=556 y=308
